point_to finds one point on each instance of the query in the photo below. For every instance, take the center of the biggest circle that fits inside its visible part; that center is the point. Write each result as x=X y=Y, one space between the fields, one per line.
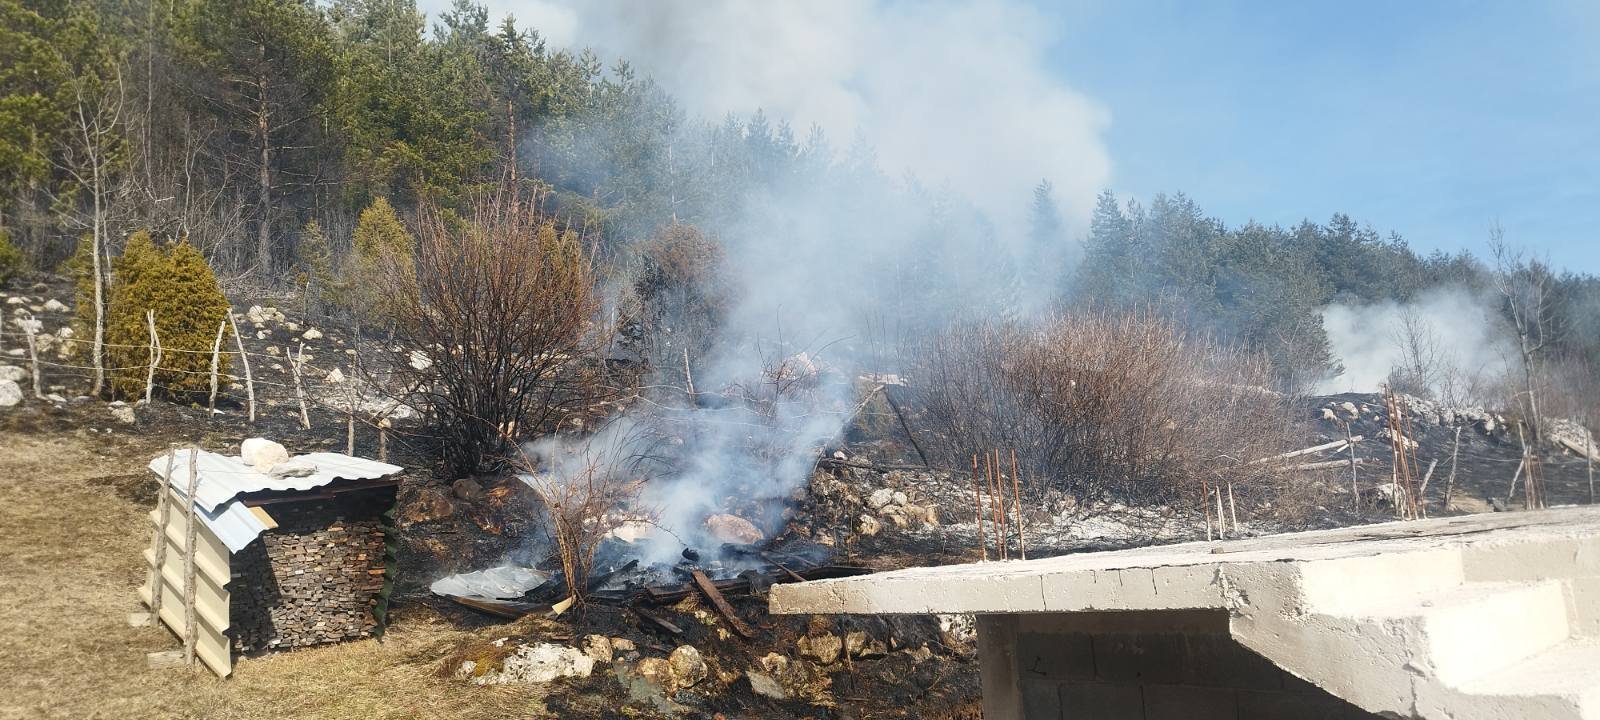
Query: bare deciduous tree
x=1104 y=406
x=499 y=313
x=1526 y=287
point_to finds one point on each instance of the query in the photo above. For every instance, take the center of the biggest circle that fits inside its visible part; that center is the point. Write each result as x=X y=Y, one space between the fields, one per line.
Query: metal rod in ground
x=216 y=364
x=244 y=359
x=998 y=514
x=1000 y=506
x=977 y=503
x=1016 y=499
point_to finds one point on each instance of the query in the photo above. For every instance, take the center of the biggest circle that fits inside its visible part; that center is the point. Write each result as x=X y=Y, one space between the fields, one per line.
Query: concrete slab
x=1487 y=616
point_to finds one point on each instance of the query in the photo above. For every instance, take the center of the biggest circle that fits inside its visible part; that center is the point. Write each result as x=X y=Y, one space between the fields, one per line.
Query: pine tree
x=179 y=286
x=384 y=251
x=11 y=261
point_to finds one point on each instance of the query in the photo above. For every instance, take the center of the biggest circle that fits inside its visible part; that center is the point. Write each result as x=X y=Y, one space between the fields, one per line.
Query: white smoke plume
x=955 y=96
x=958 y=94
x=1460 y=332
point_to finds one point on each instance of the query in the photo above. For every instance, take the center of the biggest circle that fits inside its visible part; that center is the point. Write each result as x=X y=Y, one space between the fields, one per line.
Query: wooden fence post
x=383 y=440
x=155 y=355
x=216 y=363
x=164 y=515
x=244 y=358
x=299 y=386
x=191 y=530
x=33 y=356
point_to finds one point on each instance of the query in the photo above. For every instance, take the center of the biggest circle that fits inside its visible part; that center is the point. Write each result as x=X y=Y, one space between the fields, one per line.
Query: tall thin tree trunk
x=97 y=244
x=264 y=173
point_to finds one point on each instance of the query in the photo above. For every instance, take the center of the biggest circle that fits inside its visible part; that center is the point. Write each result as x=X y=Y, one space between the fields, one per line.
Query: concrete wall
x=1175 y=665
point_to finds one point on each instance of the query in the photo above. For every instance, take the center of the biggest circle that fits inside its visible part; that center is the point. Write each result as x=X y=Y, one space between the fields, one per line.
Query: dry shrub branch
x=581 y=482
x=502 y=304
x=1124 y=407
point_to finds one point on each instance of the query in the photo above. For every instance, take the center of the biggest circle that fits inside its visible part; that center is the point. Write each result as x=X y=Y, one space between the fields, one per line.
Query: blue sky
x=1433 y=120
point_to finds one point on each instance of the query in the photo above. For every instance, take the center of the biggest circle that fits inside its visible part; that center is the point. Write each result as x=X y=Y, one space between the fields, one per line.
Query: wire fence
x=250 y=385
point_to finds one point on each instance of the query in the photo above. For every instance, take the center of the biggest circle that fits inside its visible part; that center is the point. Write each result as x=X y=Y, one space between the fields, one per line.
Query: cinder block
x=1056 y=656
x=1254 y=705
x=1182 y=702
x=1101 y=701
x=1142 y=658
x=1041 y=700
x=1219 y=661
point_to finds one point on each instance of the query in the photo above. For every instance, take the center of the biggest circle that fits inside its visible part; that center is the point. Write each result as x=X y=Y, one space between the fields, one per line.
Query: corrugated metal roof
x=223 y=478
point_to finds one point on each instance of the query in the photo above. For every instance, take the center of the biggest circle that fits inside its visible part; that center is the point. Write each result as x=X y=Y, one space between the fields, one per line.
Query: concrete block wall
x=1179 y=665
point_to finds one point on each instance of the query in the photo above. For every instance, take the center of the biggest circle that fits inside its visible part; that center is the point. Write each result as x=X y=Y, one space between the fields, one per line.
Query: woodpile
x=314 y=579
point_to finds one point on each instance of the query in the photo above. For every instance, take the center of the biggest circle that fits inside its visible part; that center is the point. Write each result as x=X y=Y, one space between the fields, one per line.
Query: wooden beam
x=722 y=606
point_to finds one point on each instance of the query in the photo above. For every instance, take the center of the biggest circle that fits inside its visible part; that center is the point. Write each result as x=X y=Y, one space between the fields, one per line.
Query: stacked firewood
x=312 y=580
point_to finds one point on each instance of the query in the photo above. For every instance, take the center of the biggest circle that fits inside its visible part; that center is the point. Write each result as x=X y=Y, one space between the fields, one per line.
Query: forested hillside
x=260 y=130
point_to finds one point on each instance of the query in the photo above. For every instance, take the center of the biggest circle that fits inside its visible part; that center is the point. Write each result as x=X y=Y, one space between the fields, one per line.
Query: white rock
x=124 y=414
x=256 y=314
x=56 y=398
x=311 y=334
x=16 y=300
x=262 y=454
x=262 y=335
x=28 y=324
x=10 y=393
x=900 y=498
x=539 y=663
x=870 y=525
x=65 y=333
x=294 y=467
x=13 y=373
x=420 y=360
x=334 y=376
x=54 y=305
x=762 y=684
x=598 y=648
x=880 y=498
x=688 y=667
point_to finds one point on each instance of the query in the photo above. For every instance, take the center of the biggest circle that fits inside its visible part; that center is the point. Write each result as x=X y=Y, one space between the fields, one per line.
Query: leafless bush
x=498 y=312
x=1102 y=406
x=580 y=482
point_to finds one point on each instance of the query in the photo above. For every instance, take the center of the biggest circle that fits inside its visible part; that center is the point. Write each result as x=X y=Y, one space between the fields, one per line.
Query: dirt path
x=72 y=529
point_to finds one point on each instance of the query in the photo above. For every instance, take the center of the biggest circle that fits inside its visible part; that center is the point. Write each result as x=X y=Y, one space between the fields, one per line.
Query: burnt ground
x=874 y=508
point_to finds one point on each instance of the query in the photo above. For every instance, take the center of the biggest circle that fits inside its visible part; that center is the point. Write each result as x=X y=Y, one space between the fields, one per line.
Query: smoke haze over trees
x=872 y=208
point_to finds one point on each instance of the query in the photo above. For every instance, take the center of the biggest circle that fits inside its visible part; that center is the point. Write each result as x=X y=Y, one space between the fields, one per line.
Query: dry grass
x=70 y=568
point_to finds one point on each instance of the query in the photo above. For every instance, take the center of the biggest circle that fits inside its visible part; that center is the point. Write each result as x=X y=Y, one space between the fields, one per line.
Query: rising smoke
x=1451 y=332
x=953 y=98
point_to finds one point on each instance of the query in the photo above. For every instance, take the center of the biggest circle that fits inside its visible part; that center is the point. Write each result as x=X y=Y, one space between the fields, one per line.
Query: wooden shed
x=276 y=562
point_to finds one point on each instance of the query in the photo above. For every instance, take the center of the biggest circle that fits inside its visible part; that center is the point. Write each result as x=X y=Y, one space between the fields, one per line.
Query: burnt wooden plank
x=722 y=606
x=658 y=621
